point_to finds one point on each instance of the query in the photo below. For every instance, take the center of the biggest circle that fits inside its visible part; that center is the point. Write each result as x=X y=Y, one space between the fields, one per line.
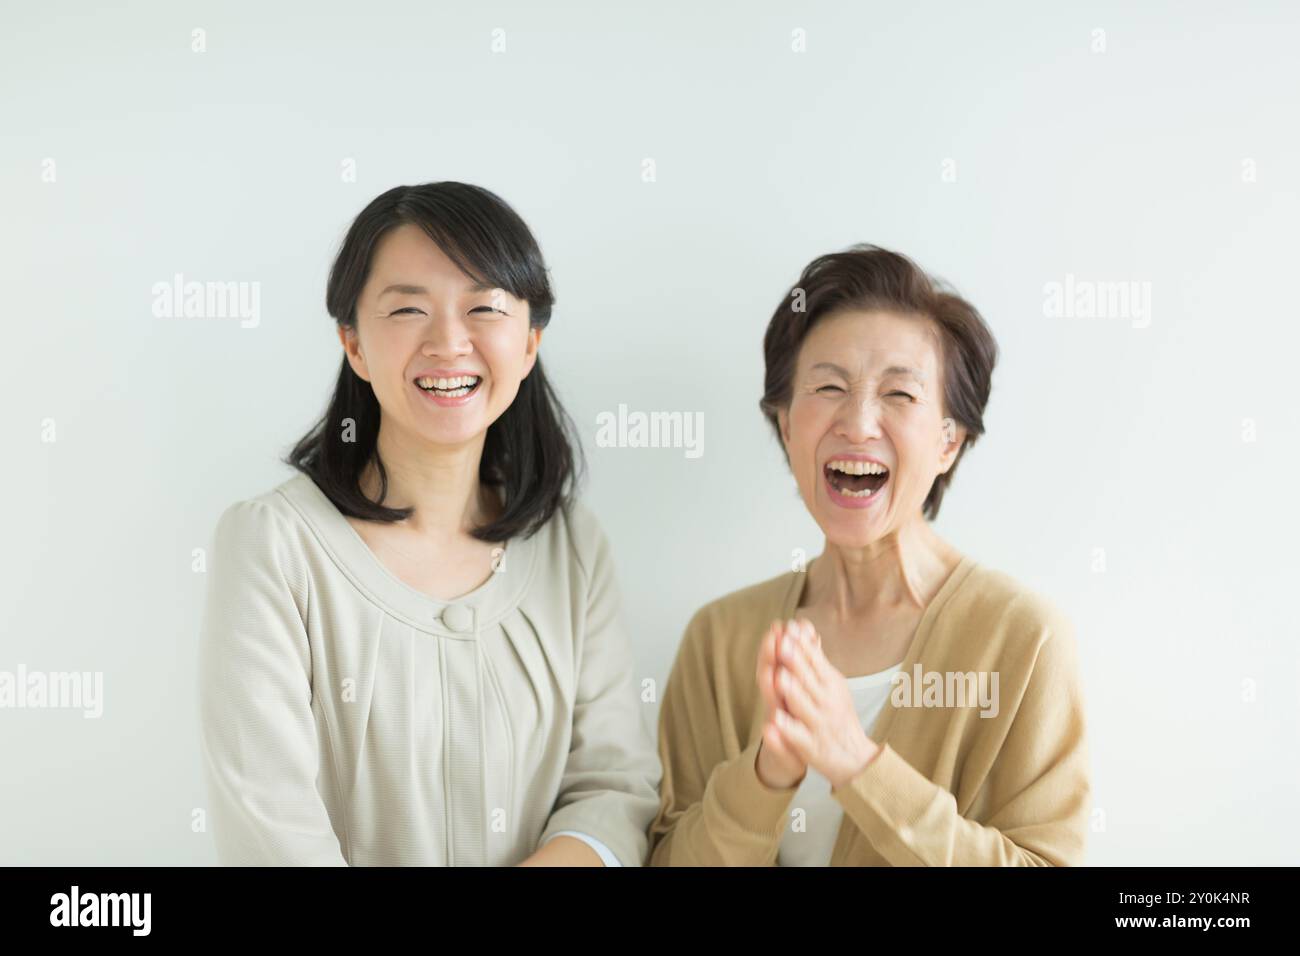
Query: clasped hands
x=810 y=717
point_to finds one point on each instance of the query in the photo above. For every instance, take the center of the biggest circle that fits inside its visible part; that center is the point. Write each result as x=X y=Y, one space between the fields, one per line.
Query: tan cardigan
x=950 y=787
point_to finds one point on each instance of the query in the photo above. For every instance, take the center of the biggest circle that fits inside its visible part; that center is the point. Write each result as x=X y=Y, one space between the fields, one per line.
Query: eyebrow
x=406 y=289
x=892 y=370
x=905 y=370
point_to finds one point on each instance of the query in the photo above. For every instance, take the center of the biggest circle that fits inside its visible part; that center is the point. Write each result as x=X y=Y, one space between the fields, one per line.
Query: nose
x=446 y=336
x=859 y=420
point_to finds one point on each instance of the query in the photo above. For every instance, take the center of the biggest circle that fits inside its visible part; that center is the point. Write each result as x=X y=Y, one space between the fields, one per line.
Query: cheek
x=505 y=350
x=387 y=367
x=915 y=441
x=380 y=343
x=808 y=421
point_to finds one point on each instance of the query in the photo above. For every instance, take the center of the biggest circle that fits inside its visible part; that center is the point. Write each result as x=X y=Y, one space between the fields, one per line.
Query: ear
x=951 y=436
x=783 y=420
x=530 y=350
x=352 y=348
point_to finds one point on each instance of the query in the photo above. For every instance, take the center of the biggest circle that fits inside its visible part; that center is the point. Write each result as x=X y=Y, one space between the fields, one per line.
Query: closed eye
x=413 y=310
x=824 y=387
x=904 y=394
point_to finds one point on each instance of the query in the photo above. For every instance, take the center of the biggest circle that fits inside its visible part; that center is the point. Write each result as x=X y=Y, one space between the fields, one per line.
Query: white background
x=1128 y=164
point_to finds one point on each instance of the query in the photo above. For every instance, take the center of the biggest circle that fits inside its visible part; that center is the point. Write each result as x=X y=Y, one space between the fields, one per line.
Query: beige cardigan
x=949 y=787
x=349 y=719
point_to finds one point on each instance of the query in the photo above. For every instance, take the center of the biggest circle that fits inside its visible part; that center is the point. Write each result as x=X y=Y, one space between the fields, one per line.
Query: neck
x=904 y=569
x=441 y=482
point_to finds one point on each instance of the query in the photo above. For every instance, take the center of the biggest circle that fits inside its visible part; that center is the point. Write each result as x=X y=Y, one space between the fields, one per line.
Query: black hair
x=531 y=453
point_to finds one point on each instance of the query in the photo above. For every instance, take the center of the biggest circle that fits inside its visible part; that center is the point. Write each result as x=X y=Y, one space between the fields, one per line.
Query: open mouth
x=856 y=479
x=457 y=387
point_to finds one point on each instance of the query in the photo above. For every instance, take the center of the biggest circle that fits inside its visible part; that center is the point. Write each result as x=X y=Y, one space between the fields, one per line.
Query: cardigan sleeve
x=714 y=810
x=1039 y=792
x=608 y=789
x=260 y=745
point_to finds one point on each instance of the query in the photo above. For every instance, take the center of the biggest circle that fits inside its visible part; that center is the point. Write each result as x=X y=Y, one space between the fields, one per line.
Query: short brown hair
x=868 y=277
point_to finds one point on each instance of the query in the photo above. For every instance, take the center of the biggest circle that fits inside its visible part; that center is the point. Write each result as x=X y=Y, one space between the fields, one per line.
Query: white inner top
x=815 y=816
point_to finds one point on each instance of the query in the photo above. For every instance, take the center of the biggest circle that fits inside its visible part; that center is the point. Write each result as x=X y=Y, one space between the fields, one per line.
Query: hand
x=777 y=766
x=818 y=723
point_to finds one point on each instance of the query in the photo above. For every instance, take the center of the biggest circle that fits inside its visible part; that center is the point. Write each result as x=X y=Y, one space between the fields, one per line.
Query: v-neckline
x=879 y=731
x=799 y=581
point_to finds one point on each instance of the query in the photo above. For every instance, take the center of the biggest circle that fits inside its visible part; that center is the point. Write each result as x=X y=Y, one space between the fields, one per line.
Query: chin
x=850 y=535
x=461 y=434
x=852 y=528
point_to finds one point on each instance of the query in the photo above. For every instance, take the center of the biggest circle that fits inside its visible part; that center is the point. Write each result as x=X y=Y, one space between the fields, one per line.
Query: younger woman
x=411 y=651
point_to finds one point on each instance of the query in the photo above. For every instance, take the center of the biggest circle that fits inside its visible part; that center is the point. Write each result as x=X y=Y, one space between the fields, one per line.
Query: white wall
x=1131 y=163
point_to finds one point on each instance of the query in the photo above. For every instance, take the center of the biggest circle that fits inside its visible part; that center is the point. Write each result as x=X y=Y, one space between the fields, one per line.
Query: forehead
x=866 y=342
x=407 y=254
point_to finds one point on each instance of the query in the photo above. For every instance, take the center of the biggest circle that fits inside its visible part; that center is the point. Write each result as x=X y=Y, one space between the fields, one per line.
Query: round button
x=457 y=617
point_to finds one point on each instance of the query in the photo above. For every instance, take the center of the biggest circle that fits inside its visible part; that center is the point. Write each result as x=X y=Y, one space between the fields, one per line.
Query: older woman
x=897 y=703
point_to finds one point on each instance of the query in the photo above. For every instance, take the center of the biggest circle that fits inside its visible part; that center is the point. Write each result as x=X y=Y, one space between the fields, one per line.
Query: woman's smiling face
x=420 y=318
x=865 y=428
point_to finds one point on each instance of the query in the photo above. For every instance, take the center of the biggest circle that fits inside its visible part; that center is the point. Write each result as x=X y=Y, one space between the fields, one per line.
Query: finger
x=817 y=656
x=803 y=678
x=796 y=736
x=796 y=655
x=772 y=698
x=803 y=629
x=812 y=642
x=799 y=702
x=784 y=639
x=792 y=631
x=764 y=681
x=776 y=742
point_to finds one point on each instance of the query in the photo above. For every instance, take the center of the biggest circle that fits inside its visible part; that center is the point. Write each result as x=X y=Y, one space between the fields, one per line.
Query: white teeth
x=864 y=493
x=857 y=467
x=459 y=385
